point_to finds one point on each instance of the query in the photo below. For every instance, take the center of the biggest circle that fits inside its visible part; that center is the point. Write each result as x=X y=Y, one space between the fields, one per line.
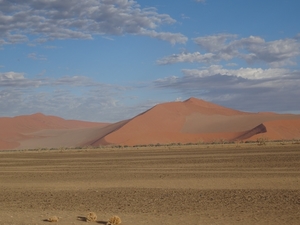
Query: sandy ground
x=191 y=185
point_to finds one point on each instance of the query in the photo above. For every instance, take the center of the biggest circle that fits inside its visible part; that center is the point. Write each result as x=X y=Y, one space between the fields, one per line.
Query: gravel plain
x=191 y=185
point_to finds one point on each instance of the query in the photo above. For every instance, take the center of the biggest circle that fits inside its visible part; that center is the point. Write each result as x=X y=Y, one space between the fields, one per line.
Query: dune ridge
x=192 y=120
x=195 y=120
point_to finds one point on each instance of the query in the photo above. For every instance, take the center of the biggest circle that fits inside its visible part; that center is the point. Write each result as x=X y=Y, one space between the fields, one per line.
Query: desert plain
x=164 y=185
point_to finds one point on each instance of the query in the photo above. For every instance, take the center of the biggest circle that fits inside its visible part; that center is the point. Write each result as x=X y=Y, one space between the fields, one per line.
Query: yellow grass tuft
x=53 y=219
x=115 y=220
x=91 y=217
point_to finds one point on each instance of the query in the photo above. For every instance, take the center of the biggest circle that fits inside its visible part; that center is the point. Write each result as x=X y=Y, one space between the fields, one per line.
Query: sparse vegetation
x=115 y=220
x=261 y=141
x=91 y=217
x=296 y=141
x=238 y=143
x=52 y=219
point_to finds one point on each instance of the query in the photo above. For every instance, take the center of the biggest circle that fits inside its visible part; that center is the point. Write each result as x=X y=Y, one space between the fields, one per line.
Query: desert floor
x=190 y=185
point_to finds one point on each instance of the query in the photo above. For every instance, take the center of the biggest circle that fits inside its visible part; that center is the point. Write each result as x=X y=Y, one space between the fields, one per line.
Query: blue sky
x=108 y=60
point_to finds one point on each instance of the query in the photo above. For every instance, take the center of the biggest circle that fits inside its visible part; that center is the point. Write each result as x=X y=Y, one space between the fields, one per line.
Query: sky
x=109 y=60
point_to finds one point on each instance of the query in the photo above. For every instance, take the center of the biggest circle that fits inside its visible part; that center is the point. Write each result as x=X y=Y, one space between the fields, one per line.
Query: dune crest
x=192 y=120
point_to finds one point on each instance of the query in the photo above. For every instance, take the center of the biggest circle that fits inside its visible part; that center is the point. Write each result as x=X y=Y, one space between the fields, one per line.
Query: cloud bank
x=253 y=49
x=273 y=86
x=39 y=20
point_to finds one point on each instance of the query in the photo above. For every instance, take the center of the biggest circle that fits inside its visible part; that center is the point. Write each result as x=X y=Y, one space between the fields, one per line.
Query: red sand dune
x=16 y=130
x=193 y=120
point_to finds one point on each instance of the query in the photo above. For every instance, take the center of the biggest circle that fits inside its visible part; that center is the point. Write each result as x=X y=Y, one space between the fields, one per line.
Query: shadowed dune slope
x=281 y=129
x=193 y=120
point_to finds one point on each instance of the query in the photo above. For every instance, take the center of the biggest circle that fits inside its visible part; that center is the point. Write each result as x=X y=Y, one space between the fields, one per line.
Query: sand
x=190 y=121
x=195 y=120
x=192 y=185
x=41 y=131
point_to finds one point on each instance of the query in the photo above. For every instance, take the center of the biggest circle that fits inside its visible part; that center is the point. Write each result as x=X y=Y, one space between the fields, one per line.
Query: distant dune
x=193 y=120
x=41 y=131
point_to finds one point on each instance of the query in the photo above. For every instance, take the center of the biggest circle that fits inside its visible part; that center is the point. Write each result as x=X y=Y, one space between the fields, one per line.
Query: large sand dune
x=196 y=120
x=193 y=120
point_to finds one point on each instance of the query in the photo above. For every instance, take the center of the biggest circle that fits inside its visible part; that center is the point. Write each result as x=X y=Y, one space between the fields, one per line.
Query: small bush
x=115 y=220
x=91 y=217
x=296 y=141
x=53 y=219
x=261 y=141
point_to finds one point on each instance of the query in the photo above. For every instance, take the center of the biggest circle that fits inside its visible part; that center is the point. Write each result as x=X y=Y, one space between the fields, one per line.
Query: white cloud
x=274 y=88
x=17 y=80
x=179 y=99
x=75 y=81
x=14 y=79
x=215 y=43
x=231 y=64
x=225 y=47
x=276 y=53
x=183 y=16
x=173 y=38
x=167 y=80
x=35 y=56
x=247 y=73
x=72 y=19
x=187 y=57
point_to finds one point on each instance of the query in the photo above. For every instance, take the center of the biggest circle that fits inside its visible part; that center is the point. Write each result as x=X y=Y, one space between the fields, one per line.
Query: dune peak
x=197 y=101
x=193 y=99
x=209 y=107
x=39 y=114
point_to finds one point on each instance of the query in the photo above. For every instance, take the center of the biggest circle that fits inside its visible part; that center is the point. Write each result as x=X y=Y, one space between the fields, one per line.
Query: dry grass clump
x=91 y=217
x=52 y=219
x=115 y=220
